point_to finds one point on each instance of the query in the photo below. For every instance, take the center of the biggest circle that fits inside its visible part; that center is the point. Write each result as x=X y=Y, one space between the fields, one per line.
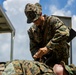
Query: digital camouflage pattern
x=71 y=69
x=53 y=35
x=32 y=12
x=26 y=67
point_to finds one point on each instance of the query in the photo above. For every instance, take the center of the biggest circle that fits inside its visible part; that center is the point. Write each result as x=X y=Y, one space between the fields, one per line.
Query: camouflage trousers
x=25 y=67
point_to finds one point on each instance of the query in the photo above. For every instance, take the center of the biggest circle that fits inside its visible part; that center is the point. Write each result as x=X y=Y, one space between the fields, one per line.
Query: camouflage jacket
x=53 y=35
x=70 y=69
x=27 y=67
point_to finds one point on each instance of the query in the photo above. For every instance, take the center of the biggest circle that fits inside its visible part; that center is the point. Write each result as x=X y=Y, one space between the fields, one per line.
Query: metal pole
x=12 y=41
x=71 y=47
x=71 y=53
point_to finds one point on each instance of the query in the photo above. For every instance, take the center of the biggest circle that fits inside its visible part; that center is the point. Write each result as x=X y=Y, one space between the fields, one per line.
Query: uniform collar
x=43 y=25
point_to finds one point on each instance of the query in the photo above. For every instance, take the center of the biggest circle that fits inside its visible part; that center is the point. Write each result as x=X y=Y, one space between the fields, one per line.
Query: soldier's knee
x=58 y=69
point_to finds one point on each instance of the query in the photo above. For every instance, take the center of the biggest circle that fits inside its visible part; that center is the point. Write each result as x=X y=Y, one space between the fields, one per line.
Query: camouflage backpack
x=25 y=67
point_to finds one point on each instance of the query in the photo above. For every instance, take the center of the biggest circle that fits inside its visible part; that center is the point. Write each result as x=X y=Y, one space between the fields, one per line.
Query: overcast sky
x=15 y=12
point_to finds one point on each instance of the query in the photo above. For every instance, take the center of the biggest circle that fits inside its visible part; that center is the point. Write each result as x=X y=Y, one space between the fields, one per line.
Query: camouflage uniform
x=26 y=67
x=70 y=69
x=53 y=35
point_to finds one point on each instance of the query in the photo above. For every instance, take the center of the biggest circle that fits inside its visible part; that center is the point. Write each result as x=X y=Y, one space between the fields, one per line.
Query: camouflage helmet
x=32 y=12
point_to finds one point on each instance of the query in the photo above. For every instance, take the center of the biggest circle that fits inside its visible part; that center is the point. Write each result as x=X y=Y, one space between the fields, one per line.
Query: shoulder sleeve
x=33 y=44
x=61 y=32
